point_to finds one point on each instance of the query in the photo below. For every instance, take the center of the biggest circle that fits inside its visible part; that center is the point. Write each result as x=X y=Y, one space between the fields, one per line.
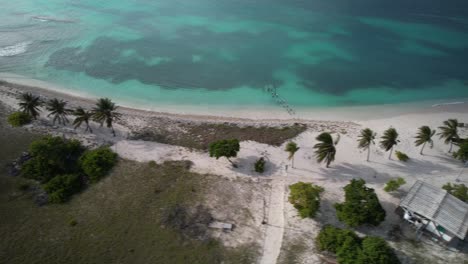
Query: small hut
x=435 y=210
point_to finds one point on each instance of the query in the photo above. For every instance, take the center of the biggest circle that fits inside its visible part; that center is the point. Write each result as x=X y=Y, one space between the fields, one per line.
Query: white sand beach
x=436 y=166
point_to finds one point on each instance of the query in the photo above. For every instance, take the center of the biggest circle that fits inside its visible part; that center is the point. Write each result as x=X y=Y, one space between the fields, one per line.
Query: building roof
x=439 y=206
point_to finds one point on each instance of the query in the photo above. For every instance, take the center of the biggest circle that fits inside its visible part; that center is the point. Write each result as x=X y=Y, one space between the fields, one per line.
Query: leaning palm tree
x=105 y=111
x=292 y=148
x=82 y=116
x=389 y=140
x=449 y=132
x=423 y=137
x=58 y=109
x=30 y=104
x=325 y=150
x=366 y=139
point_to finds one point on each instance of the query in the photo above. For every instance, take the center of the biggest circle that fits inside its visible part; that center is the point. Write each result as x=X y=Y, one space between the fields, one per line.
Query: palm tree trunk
x=390 y=156
x=292 y=162
x=368 y=153
x=113 y=131
x=451 y=145
x=422 y=148
x=232 y=163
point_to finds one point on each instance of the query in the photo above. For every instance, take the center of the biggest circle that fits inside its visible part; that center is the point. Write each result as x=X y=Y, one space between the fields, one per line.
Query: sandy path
x=275 y=223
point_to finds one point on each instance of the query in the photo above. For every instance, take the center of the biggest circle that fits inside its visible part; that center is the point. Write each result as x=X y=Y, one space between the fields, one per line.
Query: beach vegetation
x=106 y=112
x=394 y=184
x=458 y=190
x=366 y=140
x=401 y=156
x=62 y=187
x=259 y=165
x=351 y=249
x=424 y=137
x=361 y=205
x=30 y=104
x=325 y=151
x=449 y=132
x=305 y=197
x=82 y=117
x=98 y=162
x=291 y=148
x=52 y=156
x=227 y=148
x=389 y=140
x=462 y=152
x=18 y=119
x=58 y=109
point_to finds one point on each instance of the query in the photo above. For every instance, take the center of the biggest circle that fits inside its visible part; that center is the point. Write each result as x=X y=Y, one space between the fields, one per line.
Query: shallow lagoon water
x=207 y=52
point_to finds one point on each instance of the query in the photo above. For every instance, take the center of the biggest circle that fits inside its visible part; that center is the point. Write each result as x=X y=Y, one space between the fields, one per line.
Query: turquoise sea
x=225 y=52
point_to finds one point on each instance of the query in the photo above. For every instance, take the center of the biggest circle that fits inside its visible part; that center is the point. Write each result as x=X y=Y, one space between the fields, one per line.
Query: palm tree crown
x=366 y=139
x=58 y=109
x=30 y=104
x=423 y=137
x=326 y=150
x=449 y=132
x=292 y=148
x=82 y=116
x=105 y=112
x=389 y=140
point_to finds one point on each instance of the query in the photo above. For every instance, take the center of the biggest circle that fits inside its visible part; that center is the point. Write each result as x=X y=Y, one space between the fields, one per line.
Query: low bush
x=393 y=184
x=458 y=190
x=361 y=205
x=401 y=156
x=52 y=156
x=98 y=162
x=18 y=119
x=260 y=165
x=73 y=222
x=61 y=187
x=351 y=249
x=305 y=197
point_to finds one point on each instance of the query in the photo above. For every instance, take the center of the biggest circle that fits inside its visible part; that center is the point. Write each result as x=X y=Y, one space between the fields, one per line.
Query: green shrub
x=52 y=156
x=462 y=152
x=18 y=119
x=350 y=249
x=458 y=190
x=61 y=187
x=375 y=250
x=225 y=148
x=361 y=205
x=332 y=238
x=73 y=222
x=305 y=197
x=260 y=165
x=393 y=184
x=97 y=163
x=152 y=163
x=401 y=156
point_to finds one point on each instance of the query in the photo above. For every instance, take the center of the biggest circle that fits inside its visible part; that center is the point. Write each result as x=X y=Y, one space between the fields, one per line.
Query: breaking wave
x=13 y=50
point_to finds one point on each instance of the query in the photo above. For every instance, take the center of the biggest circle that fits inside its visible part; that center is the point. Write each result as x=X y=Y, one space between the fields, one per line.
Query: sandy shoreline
x=243 y=114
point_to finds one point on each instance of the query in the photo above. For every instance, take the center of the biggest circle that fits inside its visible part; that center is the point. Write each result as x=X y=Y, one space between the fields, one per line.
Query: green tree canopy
x=292 y=148
x=366 y=140
x=361 y=205
x=58 y=109
x=389 y=140
x=227 y=148
x=449 y=132
x=462 y=152
x=424 y=137
x=98 y=162
x=305 y=197
x=30 y=104
x=106 y=112
x=458 y=190
x=375 y=250
x=325 y=151
x=82 y=116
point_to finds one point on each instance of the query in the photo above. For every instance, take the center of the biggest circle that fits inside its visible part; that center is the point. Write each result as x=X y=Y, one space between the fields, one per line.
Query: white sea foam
x=16 y=49
x=451 y=103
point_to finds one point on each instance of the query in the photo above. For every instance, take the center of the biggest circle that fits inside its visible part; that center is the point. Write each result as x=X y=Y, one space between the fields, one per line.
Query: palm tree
x=30 y=104
x=292 y=148
x=105 y=112
x=389 y=140
x=449 y=132
x=326 y=149
x=424 y=136
x=82 y=116
x=58 y=109
x=366 y=139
